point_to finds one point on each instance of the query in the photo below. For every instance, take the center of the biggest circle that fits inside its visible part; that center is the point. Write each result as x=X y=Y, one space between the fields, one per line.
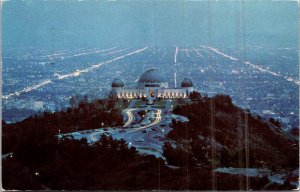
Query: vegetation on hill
x=40 y=161
x=46 y=163
x=82 y=116
x=219 y=134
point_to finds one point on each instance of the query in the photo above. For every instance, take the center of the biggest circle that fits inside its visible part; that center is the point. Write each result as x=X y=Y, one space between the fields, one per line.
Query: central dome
x=186 y=83
x=117 y=83
x=152 y=76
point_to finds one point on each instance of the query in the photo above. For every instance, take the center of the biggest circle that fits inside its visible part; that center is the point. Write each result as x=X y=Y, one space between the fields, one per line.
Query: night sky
x=71 y=24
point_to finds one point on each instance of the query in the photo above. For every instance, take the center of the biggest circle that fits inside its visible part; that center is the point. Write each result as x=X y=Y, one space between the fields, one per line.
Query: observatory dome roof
x=117 y=83
x=152 y=76
x=186 y=83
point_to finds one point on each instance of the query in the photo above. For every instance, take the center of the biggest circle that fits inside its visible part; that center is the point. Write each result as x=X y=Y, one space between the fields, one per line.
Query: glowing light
x=93 y=52
x=187 y=53
x=257 y=67
x=176 y=52
x=113 y=52
x=220 y=53
x=197 y=52
x=72 y=74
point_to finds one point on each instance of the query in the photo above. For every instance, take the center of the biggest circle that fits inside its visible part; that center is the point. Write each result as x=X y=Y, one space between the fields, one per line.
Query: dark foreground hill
x=218 y=134
x=239 y=138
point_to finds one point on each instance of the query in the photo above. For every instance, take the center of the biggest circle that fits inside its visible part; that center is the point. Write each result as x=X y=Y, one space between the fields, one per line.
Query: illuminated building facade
x=152 y=83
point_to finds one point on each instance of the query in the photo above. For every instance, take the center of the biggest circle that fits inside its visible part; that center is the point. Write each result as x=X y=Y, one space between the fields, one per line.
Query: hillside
x=38 y=160
x=235 y=133
x=84 y=115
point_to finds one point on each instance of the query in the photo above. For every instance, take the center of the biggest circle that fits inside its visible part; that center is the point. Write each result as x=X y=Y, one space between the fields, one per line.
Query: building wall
x=157 y=92
x=142 y=85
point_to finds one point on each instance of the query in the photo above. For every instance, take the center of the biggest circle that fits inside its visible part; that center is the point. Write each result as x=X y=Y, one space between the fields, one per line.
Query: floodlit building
x=152 y=84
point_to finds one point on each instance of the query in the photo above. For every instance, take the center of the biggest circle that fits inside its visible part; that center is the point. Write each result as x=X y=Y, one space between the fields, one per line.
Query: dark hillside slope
x=36 y=159
x=236 y=135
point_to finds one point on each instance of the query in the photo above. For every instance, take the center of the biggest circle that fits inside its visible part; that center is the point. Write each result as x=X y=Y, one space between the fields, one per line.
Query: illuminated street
x=147 y=135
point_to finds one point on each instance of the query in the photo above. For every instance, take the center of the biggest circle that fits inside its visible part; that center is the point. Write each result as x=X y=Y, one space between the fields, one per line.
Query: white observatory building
x=154 y=84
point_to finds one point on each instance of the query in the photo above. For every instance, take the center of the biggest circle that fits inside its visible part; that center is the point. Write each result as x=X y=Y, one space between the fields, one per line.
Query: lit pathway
x=147 y=136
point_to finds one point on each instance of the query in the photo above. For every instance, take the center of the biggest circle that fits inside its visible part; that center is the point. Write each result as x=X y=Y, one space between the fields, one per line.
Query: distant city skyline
x=53 y=50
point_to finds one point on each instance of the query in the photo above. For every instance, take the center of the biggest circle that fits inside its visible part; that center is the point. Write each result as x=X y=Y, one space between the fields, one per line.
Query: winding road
x=147 y=135
x=130 y=132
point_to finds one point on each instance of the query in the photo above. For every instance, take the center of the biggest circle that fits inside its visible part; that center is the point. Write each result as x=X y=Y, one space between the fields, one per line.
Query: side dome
x=152 y=76
x=117 y=83
x=186 y=83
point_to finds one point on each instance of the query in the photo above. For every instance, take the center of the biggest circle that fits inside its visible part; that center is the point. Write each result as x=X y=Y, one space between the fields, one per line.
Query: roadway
x=147 y=135
x=130 y=119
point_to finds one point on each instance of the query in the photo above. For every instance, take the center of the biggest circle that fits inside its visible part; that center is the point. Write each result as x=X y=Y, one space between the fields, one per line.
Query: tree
x=73 y=101
x=274 y=122
x=195 y=95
